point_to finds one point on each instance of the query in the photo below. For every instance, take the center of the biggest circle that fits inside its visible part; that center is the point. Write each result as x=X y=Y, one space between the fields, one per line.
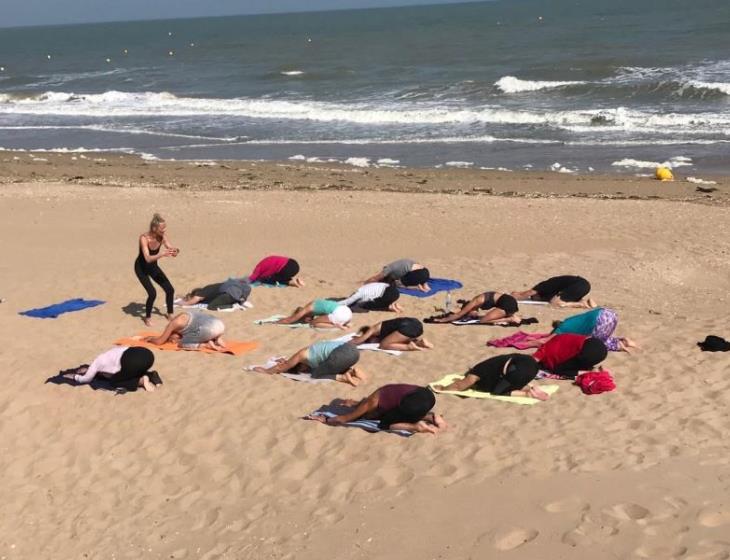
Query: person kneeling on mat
x=320 y=313
x=277 y=270
x=507 y=375
x=221 y=295
x=407 y=272
x=191 y=330
x=500 y=309
x=330 y=359
x=402 y=333
x=560 y=291
x=377 y=296
x=569 y=354
x=123 y=366
x=396 y=407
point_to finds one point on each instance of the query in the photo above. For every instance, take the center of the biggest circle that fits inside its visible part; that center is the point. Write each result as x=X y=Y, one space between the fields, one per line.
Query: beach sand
x=218 y=464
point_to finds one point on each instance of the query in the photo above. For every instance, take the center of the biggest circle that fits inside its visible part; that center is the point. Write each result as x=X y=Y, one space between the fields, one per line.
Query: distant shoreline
x=114 y=169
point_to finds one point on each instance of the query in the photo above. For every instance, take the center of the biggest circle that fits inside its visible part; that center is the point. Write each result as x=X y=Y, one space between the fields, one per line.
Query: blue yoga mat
x=371 y=426
x=436 y=284
x=53 y=311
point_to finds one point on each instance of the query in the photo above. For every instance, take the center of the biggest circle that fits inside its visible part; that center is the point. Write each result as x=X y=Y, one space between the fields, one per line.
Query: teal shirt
x=324 y=306
x=580 y=324
x=320 y=351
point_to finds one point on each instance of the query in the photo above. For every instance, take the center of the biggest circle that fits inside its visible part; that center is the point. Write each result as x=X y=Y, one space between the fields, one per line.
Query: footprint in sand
x=661 y=551
x=568 y=504
x=628 y=512
x=714 y=517
x=510 y=539
x=719 y=555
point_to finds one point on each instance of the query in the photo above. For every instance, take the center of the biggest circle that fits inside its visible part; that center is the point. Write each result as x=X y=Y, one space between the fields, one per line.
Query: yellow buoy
x=664 y=174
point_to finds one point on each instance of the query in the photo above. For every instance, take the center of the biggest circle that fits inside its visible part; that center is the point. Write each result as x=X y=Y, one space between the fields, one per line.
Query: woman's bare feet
x=439 y=421
x=146 y=384
x=296 y=282
x=423 y=427
x=423 y=343
x=626 y=344
x=147 y=321
x=352 y=376
x=535 y=393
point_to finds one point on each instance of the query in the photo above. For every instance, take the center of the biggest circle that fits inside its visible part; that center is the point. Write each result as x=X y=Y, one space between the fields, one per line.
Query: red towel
x=517 y=340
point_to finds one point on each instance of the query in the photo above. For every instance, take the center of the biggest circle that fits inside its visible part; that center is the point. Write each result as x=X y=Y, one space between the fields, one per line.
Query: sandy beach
x=218 y=464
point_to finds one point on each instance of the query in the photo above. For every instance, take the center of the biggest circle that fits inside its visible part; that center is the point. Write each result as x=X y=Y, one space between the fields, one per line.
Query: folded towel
x=53 y=311
x=477 y=321
x=367 y=425
x=374 y=346
x=99 y=383
x=549 y=389
x=274 y=318
x=436 y=284
x=303 y=377
x=532 y=302
x=518 y=340
x=232 y=347
x=235 y=307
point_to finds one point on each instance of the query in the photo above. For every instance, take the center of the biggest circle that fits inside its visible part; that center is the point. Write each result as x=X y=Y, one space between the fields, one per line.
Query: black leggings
x=155 y=273
x=135 y=363
x=213 y=296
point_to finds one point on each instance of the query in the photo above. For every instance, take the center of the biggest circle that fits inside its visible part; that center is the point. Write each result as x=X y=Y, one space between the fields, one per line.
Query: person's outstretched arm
x=287 y=365
x=469 y=307
x=366 y=405
x=367 y=333
x=460 y=384
x=175 y=323
x=375 y=278
x=299 y=314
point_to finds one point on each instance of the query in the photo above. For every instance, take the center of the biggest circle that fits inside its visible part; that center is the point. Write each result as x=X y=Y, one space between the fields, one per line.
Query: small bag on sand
x=595 y=382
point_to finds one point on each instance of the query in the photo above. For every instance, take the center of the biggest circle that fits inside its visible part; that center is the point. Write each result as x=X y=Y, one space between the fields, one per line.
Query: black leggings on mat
x=135 y=363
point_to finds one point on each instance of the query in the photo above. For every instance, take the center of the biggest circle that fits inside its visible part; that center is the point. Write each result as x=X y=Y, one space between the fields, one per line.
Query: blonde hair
x=157 y=219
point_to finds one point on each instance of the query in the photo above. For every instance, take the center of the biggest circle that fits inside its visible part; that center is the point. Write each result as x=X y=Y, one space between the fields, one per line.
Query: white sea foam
x=119 y=104
x=511 y=84
x=123 y=130
x=558 y=168
x=722 y=87
x=677 y=161
x=358 y=161
x=462 y=164
x=292 y=73
x=698 y=181
x=387 y=162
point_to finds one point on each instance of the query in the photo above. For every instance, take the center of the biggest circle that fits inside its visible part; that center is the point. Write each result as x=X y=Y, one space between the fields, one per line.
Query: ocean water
x=573 y=86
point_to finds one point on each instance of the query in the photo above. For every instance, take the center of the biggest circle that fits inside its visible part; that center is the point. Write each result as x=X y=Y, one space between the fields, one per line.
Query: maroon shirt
x=389 y=396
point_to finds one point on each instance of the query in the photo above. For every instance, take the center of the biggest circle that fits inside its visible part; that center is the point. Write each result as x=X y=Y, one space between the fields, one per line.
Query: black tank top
x=148 y=265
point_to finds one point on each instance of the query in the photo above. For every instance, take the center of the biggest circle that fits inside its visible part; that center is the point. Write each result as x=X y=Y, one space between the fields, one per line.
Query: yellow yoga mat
x=549 y=389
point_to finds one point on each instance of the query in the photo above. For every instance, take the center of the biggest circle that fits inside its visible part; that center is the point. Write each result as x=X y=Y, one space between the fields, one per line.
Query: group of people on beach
x=577 y=344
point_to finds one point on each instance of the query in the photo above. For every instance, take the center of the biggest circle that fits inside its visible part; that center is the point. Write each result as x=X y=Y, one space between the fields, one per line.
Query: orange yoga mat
x=234 y=348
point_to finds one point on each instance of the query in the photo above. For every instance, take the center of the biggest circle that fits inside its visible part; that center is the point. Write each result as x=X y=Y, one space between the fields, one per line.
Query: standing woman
x=153 y=246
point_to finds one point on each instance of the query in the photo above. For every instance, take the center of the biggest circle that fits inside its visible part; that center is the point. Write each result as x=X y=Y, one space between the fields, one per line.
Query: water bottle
x=447 y=304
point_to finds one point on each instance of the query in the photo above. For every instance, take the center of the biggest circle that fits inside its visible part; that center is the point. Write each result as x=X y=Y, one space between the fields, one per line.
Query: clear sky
x=50 y=12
